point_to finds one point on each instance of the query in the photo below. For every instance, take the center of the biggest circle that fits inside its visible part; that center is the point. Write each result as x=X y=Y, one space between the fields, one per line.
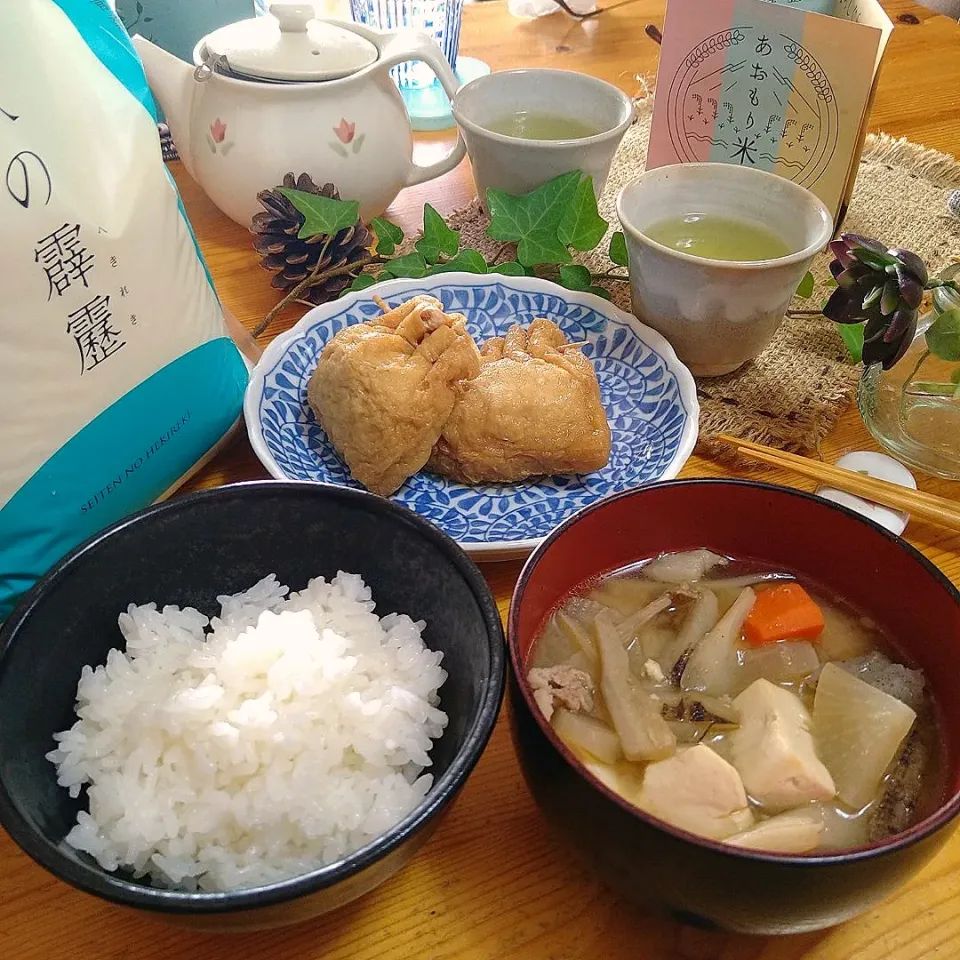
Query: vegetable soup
x=740 y=704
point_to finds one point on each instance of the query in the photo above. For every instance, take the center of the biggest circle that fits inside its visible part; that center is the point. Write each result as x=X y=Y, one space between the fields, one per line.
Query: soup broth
x=739 y=704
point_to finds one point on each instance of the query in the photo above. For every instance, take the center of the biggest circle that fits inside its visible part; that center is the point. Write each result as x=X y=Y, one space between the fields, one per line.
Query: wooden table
x=491 y=885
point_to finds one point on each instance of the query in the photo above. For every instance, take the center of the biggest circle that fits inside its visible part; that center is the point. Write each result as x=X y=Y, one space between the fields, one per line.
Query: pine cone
x=291 y=259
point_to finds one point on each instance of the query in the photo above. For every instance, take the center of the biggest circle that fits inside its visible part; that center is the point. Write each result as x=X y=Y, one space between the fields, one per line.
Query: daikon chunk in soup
x=738 y=703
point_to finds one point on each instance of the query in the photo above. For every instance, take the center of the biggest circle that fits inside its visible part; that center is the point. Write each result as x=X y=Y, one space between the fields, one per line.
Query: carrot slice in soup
x=783 y=612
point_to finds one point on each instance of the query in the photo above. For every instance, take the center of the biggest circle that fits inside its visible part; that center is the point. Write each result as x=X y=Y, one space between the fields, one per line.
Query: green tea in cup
x=533 y=125
x=523 y=128
x=716 y=237
x=716 y=252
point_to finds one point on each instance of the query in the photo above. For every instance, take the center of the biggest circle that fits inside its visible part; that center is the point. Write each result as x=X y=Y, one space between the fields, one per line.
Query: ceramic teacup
x=718 y=314
x=518 y=165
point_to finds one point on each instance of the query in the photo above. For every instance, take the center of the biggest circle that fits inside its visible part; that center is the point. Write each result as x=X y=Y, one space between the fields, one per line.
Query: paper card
x=871 y=13
x=766 y=86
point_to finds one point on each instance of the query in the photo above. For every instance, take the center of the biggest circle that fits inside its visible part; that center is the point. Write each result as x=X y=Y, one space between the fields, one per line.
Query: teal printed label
x=105 y=36
x=121 y=461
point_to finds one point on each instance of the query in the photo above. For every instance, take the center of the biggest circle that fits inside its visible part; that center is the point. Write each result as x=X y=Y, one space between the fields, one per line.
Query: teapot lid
x=290 y=45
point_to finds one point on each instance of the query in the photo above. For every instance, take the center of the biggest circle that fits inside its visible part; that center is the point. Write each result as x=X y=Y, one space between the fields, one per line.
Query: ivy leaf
x=582 y=227
x=412 y=266
x=618 y=249
x=533 y=220
x=469 y=261
x=943 y=335
x=831 y=282
x=389 y=235
x=542 y=247
x=511 y=218
x=575 y=277
x=437 y=237
x=509 y=269
x=322 y=216
x=852 y=334
x=363 y=281
x=805 y=290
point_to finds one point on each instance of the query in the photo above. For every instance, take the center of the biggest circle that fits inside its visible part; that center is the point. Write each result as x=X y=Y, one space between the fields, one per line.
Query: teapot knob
x=293 y=17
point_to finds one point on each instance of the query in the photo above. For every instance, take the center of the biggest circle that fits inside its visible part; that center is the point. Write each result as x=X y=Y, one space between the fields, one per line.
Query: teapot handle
x=414 y=45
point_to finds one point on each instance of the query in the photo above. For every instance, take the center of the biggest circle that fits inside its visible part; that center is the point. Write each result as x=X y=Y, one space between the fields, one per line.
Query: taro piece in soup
x=740 y=704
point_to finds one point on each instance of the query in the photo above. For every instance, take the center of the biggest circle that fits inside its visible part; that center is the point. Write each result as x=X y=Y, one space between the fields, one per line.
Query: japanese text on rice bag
x=117 y=374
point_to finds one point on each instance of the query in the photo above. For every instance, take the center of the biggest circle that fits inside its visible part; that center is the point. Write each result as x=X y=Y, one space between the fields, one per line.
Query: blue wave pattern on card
x=751 y=89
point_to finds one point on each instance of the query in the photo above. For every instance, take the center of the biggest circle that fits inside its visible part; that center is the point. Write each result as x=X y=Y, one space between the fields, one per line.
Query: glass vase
x=913 y=410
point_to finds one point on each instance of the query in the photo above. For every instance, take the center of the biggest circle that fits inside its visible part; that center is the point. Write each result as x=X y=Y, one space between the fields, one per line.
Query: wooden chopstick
x=922 y=506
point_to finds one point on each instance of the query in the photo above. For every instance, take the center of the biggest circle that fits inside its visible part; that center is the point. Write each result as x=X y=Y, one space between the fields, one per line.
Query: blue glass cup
x=439 y=19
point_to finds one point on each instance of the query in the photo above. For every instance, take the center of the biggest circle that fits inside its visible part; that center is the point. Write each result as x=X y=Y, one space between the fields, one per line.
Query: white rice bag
x=117 y=374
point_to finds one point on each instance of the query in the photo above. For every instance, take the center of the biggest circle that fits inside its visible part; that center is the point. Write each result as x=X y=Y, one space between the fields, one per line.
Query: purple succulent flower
x=880 y=286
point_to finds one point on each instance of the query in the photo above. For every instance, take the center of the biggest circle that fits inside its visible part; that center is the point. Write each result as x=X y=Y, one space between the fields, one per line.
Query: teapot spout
x=171 y=81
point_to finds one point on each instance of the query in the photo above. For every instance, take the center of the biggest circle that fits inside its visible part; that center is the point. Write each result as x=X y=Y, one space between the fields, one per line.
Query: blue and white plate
x=649 y=396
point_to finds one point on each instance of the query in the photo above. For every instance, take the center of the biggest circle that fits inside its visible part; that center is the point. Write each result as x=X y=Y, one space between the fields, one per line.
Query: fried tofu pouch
x=384 y=389
x=533 y=410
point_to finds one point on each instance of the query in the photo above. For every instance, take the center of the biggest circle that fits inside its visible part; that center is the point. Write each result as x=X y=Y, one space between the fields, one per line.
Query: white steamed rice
x=290 y=734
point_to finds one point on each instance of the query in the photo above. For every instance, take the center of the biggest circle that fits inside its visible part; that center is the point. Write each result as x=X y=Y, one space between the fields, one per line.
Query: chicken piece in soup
x=740 y=704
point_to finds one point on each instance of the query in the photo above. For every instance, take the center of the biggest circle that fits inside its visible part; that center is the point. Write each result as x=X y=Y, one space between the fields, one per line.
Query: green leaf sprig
x=322 y=216
x=545 y=226
x=943 y=338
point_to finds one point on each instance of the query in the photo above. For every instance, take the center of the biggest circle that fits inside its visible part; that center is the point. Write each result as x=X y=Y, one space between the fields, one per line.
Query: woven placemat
x=794 y=392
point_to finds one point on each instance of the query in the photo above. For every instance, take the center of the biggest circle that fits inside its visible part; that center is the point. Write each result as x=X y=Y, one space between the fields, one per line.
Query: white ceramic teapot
x=288 y=93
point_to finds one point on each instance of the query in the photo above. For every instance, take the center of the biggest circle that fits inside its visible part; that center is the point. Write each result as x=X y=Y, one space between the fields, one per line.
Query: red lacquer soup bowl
x=667 y=869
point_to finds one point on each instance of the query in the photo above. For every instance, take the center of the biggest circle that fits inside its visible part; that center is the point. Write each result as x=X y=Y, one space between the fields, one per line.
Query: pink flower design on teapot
x=217 y=138
x=345 y=130
x=226 y=126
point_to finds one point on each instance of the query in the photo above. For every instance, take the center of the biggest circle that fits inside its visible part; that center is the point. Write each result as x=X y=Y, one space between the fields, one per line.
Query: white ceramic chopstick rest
x=880 y=467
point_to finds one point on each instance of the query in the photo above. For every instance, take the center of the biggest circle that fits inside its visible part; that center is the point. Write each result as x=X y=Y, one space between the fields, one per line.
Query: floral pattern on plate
x=649 y=396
